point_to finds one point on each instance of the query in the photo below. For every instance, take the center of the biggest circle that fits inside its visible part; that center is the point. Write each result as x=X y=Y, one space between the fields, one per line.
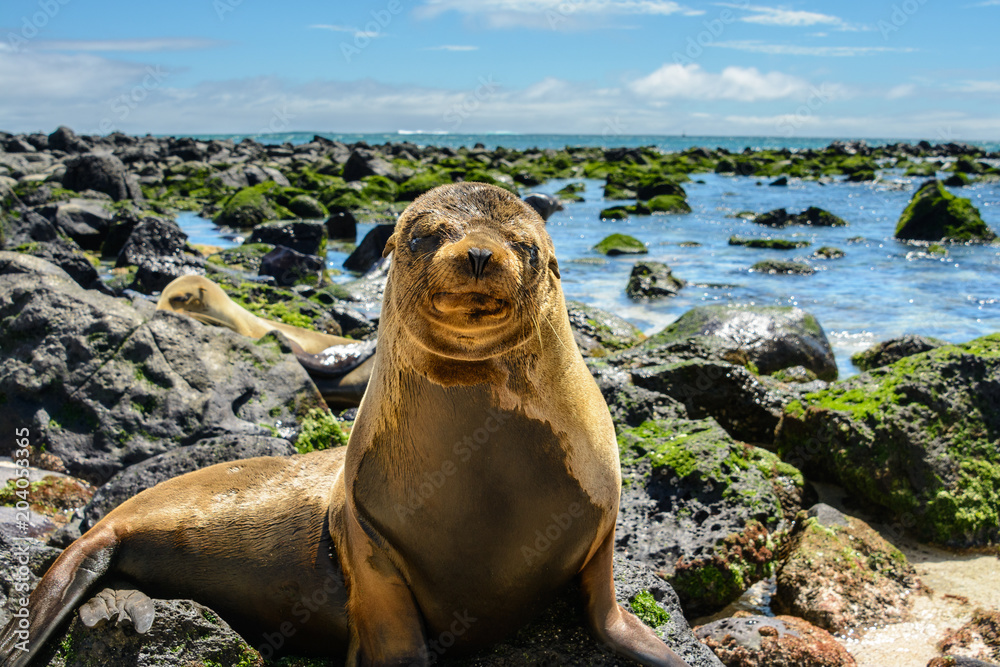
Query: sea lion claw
x=131 y=607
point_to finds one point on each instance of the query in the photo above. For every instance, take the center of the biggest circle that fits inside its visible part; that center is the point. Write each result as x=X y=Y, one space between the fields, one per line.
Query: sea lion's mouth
x=471 y=304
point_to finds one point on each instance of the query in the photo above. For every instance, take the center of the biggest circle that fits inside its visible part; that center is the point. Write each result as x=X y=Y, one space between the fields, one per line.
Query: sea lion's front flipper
x=613 y=625
x=67 y=581
x=128 y=605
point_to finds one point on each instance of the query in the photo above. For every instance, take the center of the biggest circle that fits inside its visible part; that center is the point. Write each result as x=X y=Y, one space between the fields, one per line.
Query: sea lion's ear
x=554 y=266
x=390 y=245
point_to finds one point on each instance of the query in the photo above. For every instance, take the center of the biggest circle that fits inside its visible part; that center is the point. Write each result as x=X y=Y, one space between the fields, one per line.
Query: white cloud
x=790 y=18
x=355 y=32
x=127 y=45
x=452 y=47
x=551 y=14
x=755 y=46
x=972 y=86
x=745 y=84
x=900 y=91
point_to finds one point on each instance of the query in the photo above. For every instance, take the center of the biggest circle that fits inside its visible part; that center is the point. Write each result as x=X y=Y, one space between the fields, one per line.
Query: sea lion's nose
x=478 y=258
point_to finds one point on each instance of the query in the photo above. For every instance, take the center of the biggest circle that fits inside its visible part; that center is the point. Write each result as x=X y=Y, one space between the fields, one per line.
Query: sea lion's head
x=197 y=297
x=473 y=272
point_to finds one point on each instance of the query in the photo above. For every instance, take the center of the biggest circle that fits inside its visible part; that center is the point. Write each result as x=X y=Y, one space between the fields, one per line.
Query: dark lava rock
x=777 y=266
x=152 y=273
x=64 y=139
x=598 y=332
x=309 y=238
x=342 y=226
x=630 y=404
x=545 y=205
x=729 y=393
x=86 y=221
x=363 y=163
x=812 y=216
x=103 y=173
x=147 y=474
x=892 y=350
x=246 y=257
x=19 y=262
x=779 y=182
x=841 y=575
x=25 y=226
x=782 y=641
x=768 y=337
x=701 y=508
x=117 y=383
x=67 y=258
x=369 y=251
x=119 y=231
x=917 y=438
x=183 y=633
x=152 y=238
x=934 y=214
x=659 y=186
x=289 y=267
x=979 y=639
x=305 y=206
x=777 y=218
x=652 y=280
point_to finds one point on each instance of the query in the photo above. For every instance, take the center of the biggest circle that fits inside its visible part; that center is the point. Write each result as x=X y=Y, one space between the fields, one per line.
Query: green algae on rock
x=841 y=575
x=769 y=244
x=720 y=539
x=621 y=244
x=917 y=438
x=934 y=214
x=251 y=206
x=778 y=266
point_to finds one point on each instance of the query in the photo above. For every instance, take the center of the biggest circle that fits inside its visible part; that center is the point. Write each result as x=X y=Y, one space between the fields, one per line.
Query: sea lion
x=340 y=367
x=481 y=474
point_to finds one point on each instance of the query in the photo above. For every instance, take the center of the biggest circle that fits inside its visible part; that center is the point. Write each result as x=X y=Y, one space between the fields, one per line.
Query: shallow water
x=880 y=289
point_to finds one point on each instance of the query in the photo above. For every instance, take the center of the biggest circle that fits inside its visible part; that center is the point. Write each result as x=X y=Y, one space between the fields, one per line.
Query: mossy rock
x=320 y=429
x=379 y=188
x=782 y=267
x=668 y=204
x=420 y=183
x=305 y=206
x=595 y=329
x=621 y=244
x=252 y=205
x=934 y=214
x=922 y=169
x=677 y=473
x=244 y=257
x=284 y=305
x=769 y=244
x=892 y=350
x=828 y=252
x=957 y=180
x=917 y=438
x=494 y=178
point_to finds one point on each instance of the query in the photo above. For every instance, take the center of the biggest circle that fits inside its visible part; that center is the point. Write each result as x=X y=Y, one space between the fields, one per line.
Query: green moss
x=319 y=429
x=645 y=608
x=380 y=188
x=615 y=213
x=769 y=244
x=252 y=205
x=244 y=257
x=621 y=244
x=778 y=266
x=934 y=214
x=306 y=206
x=420 y=183
x=668 y=204
x=828 y=252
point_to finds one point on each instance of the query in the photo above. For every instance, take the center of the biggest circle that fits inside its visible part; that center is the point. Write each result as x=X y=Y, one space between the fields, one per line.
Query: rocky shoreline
x=726 y=419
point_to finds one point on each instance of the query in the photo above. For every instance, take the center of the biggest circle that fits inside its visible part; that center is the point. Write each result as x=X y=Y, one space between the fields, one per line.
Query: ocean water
x=880 y=289
x=668 y=143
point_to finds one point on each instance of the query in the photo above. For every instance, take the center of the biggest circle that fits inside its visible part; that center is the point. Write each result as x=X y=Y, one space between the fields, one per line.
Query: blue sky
x=853 y=68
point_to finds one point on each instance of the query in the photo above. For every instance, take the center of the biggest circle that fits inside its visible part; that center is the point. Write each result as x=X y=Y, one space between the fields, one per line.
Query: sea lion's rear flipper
x=613 y=625
x=128 y=605
x=69 y=579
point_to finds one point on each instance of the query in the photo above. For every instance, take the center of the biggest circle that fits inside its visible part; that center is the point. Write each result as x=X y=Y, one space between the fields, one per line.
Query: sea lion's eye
x=425 y=244
x=529 y=250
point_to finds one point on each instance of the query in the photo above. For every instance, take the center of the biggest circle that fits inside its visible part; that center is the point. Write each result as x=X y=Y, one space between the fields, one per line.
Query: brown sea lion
x=340 y=367
x=481 y=475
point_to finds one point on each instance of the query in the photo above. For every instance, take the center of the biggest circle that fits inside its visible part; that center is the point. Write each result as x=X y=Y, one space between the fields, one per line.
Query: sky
x=907 y=69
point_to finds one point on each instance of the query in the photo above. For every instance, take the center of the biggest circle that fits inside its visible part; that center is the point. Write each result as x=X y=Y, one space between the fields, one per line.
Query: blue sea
x=880 y=289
